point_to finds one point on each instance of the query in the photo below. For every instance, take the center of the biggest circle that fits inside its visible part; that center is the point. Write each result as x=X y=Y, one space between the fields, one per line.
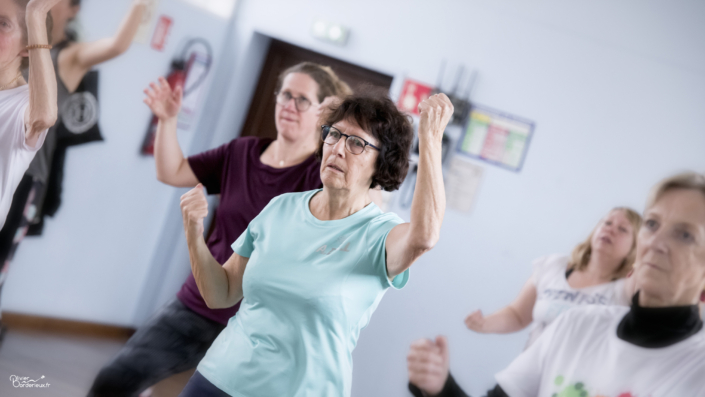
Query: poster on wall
x=412 y=95
x=496 y=137
x=161 y=32
x=462 y=184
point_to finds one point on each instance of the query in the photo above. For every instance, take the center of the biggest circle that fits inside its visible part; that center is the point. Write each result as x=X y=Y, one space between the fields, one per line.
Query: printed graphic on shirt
x=576 y=297
x=338 y=245
x=578 y=390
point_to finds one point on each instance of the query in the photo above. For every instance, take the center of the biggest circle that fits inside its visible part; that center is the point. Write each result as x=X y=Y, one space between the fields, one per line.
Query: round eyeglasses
x=353 y=144
x=301 y=103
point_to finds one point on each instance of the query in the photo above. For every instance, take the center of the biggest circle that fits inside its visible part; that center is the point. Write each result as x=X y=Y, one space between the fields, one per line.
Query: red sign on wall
x=161 y=32
x=412 y=95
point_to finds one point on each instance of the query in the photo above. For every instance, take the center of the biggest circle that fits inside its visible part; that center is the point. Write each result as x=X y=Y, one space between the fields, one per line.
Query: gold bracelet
x=39 y=46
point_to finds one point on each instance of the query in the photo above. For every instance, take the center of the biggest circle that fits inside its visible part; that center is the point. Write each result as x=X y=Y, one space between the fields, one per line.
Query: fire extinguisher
x=180 y=68
x=176 y=78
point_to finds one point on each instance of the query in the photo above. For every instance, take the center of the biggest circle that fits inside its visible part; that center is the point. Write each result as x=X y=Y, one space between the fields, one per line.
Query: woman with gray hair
x=654 y=348
x=312 y=267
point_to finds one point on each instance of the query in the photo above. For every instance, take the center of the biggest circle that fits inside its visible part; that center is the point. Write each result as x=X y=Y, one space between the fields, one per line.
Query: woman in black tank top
x=72 y=61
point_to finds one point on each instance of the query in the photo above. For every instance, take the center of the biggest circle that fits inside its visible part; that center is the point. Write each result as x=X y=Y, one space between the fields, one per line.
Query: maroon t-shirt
x=246 y=186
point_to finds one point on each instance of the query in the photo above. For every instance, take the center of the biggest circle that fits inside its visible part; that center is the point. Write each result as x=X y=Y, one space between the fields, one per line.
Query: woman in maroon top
x=247 y=173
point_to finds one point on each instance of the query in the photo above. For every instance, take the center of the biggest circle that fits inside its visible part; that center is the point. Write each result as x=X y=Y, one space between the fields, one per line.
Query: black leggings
x=173 y=341
x=23 y=207
x=199 y=386
x=14 y=220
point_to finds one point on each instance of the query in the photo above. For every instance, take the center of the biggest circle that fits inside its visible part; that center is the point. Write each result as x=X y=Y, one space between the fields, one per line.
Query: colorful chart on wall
x=496 y=137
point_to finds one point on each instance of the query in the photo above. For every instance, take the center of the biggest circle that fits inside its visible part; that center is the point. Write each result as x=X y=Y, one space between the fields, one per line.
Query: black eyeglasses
x=301 y=103
x=354 y=144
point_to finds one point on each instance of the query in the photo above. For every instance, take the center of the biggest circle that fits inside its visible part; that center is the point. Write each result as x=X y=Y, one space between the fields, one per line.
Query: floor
x=68 y=364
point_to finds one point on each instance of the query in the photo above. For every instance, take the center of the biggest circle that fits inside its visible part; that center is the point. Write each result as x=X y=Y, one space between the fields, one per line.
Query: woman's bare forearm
x=129 y=26
x=429 y=202
x=43 y=109
x=407 y=242
x=211 y=278
x=168 y=157
x=504 y=321
x=99 y=51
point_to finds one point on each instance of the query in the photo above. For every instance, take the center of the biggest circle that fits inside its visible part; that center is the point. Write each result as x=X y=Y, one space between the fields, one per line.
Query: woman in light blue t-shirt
x=312 y=267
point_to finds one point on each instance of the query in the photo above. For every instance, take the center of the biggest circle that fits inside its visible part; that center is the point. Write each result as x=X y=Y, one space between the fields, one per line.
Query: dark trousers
x=173 y=341
x=198 y=386
x=22 y=209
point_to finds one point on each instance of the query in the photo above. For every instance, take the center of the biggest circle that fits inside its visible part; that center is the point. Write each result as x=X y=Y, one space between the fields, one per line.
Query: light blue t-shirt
x=309 y=287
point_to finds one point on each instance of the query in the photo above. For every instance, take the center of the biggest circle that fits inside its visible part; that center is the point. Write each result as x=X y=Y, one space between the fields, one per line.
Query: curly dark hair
x=374 y=112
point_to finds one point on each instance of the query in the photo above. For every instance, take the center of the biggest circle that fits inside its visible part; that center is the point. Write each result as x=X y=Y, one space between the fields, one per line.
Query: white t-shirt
x=580 y=354
x=556 y=296
x=15 y=154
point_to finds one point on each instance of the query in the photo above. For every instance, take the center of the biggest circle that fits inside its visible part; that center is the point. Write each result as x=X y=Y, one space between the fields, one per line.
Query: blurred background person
x=656 y=347
x=593 y=275
x=27 y=110
x=71 y=60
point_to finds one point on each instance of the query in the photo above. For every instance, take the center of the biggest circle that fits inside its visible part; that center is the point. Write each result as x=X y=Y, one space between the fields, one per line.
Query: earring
x=702 y=296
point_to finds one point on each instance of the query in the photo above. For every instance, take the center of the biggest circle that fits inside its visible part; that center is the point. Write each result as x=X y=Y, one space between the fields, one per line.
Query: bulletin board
x=496 y=137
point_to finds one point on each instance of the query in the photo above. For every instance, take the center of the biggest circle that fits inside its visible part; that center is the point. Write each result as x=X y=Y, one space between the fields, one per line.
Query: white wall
x=616 y=90
x=95 y=256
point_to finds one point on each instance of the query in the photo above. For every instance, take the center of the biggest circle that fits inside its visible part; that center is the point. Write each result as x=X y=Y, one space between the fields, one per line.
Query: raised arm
x=84 y=56
x=220 y=286
x=515 y=317
x=172 y=167
x=42 y=110
x=408 y=241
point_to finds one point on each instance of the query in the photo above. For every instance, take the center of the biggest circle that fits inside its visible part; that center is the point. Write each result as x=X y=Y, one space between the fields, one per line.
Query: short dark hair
x=329 y=84
x=22 y=4
x=374 y=112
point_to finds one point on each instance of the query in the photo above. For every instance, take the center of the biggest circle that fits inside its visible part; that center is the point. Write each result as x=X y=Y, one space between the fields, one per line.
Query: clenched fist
x=41 y=6
x=476 y=321
x=194 y=208
x=436 y=111
x=428 y=364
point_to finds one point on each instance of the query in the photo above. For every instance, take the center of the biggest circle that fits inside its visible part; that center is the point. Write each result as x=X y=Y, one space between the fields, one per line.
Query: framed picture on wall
x=412 y=94
x=496 y=137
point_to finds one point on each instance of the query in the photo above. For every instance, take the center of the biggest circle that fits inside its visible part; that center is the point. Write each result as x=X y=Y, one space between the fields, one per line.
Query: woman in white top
x=593 y=274
x=26 y=110
x=655 y=348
